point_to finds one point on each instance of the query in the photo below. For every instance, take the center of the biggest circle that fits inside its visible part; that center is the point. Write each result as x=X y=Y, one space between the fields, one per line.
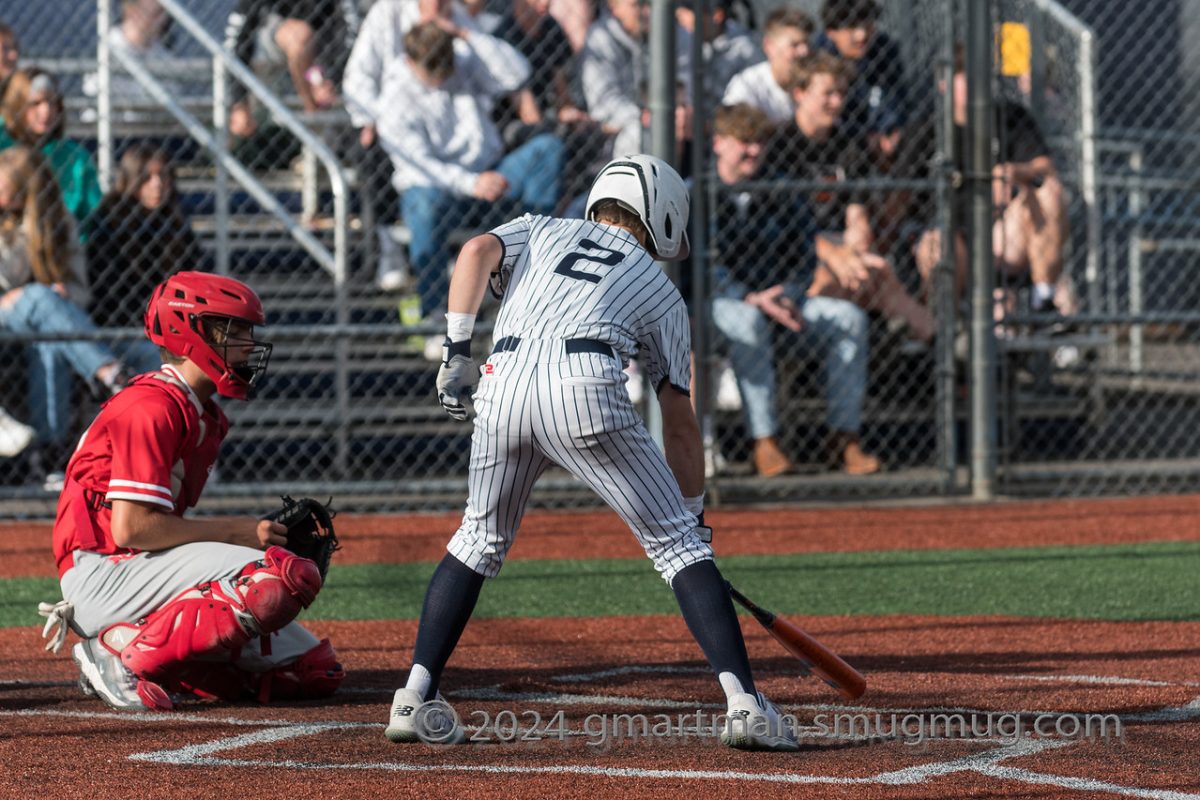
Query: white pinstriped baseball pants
x=537 y=406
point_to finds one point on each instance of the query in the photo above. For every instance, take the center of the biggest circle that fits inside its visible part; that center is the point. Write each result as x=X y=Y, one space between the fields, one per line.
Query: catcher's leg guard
x=313 y=675
x=209 y=623
x=316 y=674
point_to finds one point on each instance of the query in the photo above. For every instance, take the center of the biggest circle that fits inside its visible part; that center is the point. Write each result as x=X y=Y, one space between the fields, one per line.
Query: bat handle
x=761 y=614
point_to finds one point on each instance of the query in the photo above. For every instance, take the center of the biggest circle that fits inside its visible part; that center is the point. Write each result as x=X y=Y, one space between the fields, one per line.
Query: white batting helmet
x=650 y=188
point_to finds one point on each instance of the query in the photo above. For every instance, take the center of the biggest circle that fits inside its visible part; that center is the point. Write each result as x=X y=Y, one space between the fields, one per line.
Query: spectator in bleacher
x=449 y=164
x=380 y=45
x=765 y=85
x=44 y=287
x=765 y=257
x=1028 y=200
x=877 y=96
x=613 y=74
x=10 y=53
x=575 y=16
x=815 y=147
x=728 y=47
x=528 y=26
x=378 y=49
x=139 y=237
x=307 y=39
x=33 y=115
x=139 y=35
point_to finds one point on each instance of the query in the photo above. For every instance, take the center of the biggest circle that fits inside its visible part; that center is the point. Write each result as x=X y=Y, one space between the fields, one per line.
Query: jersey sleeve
x=514 y=238
x=666 y=348
x=146 y=445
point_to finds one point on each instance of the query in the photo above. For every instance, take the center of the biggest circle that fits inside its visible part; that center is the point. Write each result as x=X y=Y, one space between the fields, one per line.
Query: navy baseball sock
x=449 y=601
x=708 y=611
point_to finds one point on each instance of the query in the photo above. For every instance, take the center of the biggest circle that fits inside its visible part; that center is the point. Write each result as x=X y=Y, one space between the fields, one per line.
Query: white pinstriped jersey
x=574 y=279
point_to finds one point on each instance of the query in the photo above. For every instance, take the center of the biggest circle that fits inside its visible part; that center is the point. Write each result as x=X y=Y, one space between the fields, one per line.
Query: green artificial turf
x=1156 y=580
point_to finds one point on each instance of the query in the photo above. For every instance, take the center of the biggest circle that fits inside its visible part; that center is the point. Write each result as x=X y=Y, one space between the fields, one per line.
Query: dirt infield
x=956 y=707
x=25 y=547
x=593 y=670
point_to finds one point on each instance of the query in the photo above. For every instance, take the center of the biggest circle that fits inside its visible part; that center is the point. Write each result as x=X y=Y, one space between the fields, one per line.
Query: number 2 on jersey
x=598 y=254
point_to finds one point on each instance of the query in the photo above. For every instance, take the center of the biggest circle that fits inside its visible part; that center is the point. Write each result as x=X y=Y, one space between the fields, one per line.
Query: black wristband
x=453 y=349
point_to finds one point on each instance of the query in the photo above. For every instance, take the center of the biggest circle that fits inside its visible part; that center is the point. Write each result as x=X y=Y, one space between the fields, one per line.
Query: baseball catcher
x=168 y=605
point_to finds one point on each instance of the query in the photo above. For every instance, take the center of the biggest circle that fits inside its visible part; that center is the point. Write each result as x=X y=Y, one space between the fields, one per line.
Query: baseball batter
x=580 y=298
x=166 y=604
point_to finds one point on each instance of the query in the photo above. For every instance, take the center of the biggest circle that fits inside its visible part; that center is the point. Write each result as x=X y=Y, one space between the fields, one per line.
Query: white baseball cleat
x=104 y=675
x=430 y=721
x=754 y=723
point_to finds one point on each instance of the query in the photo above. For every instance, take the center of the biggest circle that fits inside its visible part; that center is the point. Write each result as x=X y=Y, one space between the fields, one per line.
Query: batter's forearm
x=681 y=441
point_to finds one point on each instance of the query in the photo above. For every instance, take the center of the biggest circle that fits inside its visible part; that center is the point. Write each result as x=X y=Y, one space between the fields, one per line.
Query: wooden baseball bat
x=816 y=657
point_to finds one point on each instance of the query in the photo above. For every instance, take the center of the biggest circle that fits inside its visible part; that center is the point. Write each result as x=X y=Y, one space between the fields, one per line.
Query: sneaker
x=108 y=678
x=15 y=436
x=415 y=720
x=729 y=397
x=394 y=280
x=754 y=723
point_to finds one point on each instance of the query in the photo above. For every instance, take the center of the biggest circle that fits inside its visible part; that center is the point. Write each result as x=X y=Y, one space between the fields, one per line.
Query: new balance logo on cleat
x=415 y=720
x=754 y=723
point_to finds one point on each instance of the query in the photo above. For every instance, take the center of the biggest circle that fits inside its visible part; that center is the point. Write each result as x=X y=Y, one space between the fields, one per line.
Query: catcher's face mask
x=241 y=359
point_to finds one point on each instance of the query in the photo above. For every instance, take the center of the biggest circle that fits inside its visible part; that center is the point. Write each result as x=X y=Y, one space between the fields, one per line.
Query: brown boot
x=847 y=454
x=769 y=460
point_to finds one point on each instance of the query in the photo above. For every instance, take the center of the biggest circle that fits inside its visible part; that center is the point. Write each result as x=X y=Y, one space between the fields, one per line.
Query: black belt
x=509 y=343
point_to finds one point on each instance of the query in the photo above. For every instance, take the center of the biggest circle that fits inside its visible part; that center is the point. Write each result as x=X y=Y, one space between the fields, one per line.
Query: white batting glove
x=58 y=615
x=457 y=375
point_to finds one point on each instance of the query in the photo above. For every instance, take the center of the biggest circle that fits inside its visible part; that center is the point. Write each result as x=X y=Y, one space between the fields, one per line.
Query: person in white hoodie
x=448 y=160
x=377 y=48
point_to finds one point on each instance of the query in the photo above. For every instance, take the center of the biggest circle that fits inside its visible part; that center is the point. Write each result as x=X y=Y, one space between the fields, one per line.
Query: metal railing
x=223 y=63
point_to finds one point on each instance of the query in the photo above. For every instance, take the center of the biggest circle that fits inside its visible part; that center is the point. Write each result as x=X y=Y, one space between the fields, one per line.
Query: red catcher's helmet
x=190 y=314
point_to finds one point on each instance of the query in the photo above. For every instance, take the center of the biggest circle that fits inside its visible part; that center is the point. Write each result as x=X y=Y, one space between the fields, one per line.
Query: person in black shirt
x=1028 y=202
x=815 y=149
x=877 y=97
x=763 y=254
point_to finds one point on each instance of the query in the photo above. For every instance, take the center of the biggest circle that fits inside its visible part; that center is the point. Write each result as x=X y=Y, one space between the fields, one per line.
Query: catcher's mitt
x=310 y=529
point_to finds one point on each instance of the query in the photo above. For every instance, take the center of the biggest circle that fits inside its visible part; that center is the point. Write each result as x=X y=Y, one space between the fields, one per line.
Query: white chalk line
x=987 y=764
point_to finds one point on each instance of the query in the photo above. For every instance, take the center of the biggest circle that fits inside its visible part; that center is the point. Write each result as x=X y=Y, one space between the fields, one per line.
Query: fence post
x=979 y=181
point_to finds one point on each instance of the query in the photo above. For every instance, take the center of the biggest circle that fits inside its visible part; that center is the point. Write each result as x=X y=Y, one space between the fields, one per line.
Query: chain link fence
x=341 y=152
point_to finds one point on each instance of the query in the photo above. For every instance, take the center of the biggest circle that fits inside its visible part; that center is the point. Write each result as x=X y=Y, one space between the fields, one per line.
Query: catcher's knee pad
x=317 y=673
x=210 y=623
x=275 y=588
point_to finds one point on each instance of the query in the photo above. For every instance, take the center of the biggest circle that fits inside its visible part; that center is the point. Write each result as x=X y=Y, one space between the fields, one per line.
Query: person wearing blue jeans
x=38 y=308
x=834 y=328
x=433 y=118
x=767 y=252
x=432 y=212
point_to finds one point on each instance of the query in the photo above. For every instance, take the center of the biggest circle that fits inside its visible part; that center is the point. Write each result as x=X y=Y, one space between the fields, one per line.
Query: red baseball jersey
x=153 y=442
